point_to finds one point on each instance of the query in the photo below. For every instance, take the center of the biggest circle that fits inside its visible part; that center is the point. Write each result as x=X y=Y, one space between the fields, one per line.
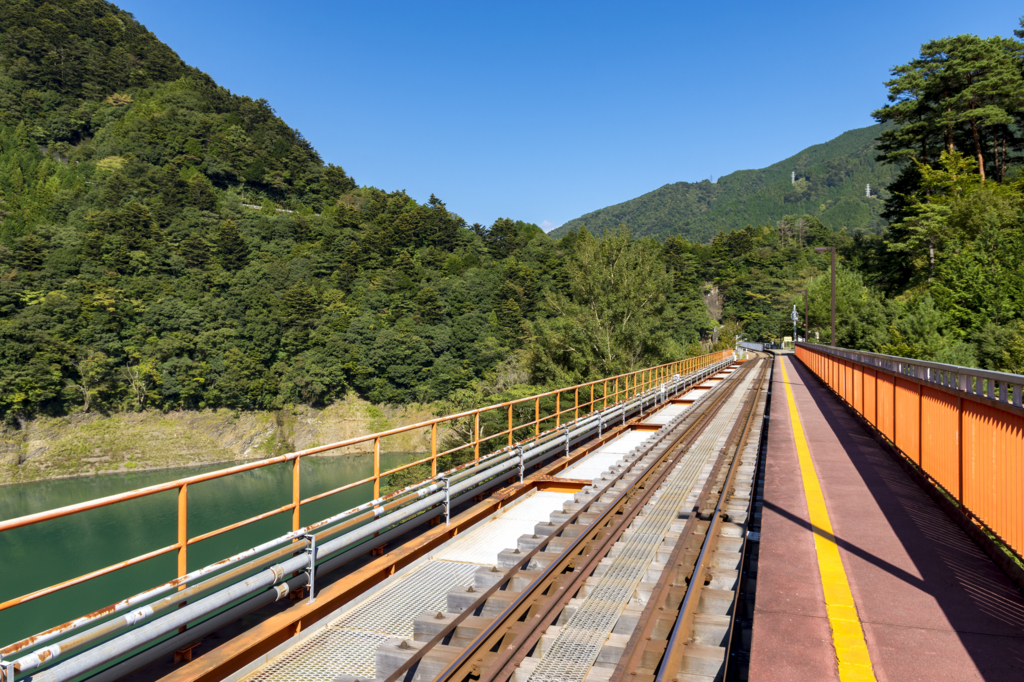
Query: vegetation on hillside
x=944 y=280
x=167 y=244
x=830 y=186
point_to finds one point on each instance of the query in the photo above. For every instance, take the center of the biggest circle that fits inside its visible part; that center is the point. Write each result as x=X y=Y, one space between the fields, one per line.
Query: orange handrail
x=962 y=427
x=632 y=384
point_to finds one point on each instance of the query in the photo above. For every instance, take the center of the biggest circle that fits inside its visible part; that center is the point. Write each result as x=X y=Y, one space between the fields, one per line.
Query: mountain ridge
x=830 y=182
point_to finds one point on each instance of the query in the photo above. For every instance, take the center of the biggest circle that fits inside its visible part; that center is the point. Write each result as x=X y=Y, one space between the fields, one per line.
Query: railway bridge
x=819 y=515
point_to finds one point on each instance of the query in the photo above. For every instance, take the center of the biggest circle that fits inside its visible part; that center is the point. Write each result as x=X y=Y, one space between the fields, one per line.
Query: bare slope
x=83 y=444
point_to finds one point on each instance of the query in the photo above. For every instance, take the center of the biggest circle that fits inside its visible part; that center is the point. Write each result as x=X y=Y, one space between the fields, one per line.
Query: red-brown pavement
x=933 y=605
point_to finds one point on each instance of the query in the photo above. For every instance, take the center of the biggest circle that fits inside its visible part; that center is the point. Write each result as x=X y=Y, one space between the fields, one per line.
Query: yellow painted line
x=847 y=634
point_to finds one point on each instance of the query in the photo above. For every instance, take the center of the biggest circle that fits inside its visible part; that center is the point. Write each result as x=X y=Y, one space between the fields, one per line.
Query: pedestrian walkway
x=929 y=603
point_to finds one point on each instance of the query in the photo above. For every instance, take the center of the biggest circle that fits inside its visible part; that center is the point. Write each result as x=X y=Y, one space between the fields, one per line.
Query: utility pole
x=824 y=249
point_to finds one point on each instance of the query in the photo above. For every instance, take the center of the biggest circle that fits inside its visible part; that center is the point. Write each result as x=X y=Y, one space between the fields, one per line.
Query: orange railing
x=596 y=394
x=963 y=427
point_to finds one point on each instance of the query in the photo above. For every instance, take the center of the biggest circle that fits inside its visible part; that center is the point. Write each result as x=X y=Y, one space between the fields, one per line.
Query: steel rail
x=546 y=582
x=658 y=606
x=735 y=633
x=673 y=655
x=277 y=630
x=510 y=656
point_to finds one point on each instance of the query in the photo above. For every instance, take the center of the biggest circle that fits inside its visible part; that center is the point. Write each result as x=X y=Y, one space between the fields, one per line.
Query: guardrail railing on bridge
x=494 y=428
x=962 y=426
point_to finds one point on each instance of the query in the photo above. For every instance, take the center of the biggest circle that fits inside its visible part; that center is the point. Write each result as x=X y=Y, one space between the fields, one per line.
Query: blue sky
x=543 y=111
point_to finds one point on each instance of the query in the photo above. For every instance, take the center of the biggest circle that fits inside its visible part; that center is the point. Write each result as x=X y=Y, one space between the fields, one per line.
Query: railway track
x=639 y=577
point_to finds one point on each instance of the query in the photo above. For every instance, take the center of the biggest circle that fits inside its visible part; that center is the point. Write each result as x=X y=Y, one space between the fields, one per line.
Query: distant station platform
x=861 y=575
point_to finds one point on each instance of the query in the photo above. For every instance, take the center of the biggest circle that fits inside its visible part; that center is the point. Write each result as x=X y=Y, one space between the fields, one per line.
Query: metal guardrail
x=751 y=345
x=308 y=550
x=998 y=386
x=962 y=426
x=611 y=390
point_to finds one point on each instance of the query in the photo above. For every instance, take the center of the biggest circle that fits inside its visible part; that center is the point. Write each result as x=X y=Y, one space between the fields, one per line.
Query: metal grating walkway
x=348 y=645
x=575 y=649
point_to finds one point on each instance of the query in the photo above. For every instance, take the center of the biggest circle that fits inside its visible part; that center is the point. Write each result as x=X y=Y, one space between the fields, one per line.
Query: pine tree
x=960 y=94
x=299 y=305
x=510 y=321
x=195 y=250
x=231 y=248
x=504 y=238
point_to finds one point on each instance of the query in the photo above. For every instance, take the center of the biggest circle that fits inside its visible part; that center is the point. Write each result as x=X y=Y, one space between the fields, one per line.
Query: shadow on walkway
x=983 y=607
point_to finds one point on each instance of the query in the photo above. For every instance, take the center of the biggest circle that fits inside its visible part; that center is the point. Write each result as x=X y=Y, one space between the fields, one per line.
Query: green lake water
x=38 y=556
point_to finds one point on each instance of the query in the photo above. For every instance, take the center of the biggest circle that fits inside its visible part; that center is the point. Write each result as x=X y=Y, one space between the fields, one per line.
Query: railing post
x=433 y=449
x=592 y=407
x=605 y=393
x=476 y=436
x=960 y=452
x=510 y=424
x=616 y=390
x=894 y=380
x=576 y=404
x=296 y=496
x=182 y=532
x=921 y=420
x=376 y=467
x=536 y=416
x=875 y=423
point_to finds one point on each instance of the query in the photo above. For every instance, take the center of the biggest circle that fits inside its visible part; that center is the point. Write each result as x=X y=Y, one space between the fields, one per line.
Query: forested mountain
x=830 y=185
x=944 y=281
x=167 y=244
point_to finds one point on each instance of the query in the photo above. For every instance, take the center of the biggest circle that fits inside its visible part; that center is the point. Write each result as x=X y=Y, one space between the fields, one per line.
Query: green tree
x=510 y=321
x=952 y=206
x=504 y=238
x=93 y=369
x=195 y=250
x=614 y=317
x=961 y=93
x=231 y=247
x=861 y=320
